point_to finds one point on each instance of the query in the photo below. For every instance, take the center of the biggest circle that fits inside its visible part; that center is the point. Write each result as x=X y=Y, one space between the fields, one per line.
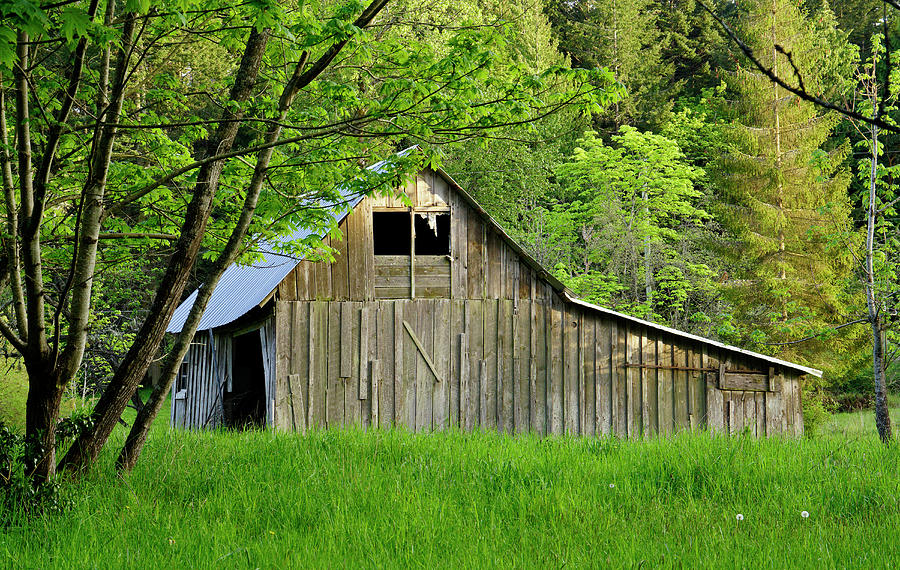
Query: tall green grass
x=394 y=499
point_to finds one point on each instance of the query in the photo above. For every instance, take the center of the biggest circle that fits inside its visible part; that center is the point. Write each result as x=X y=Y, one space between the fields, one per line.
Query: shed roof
x=243 y=287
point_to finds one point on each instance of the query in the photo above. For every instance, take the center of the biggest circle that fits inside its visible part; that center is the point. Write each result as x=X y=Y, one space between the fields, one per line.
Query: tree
x=108 y=149
x=793 y=82
x=786 y=191
x=879 y=272
x=623 y=36
x=622 y=214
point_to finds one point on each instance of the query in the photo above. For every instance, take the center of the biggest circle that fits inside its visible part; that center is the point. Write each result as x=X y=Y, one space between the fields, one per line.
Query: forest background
x=701 y=196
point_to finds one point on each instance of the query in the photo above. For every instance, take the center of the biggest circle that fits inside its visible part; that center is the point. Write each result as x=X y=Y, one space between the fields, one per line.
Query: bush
x=818 y=405
x=19 y=497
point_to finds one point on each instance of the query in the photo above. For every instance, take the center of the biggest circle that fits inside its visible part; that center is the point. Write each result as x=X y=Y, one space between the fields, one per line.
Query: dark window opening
x=391 y=233
x=181 y=381
x=245 y=405
x=432 y=234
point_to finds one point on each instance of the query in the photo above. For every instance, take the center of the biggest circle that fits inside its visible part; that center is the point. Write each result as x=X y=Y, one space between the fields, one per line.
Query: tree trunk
x=882 y=416
x=41 y=412
x=116 y=396
x=131 y=451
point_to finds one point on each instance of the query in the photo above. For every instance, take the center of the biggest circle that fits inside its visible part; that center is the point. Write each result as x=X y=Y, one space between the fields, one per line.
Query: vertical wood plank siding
x=548 y=368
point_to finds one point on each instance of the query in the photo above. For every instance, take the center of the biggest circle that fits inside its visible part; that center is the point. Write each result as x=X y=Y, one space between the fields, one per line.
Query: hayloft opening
x=432 y=234
x=391 y=233
x=245 y=405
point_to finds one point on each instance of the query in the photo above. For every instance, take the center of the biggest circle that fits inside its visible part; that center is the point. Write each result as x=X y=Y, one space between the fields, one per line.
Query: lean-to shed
x=431 y=316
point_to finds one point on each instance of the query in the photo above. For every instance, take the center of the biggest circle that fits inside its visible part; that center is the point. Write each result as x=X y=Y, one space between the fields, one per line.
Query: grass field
x=349 y=498
x=393 y=499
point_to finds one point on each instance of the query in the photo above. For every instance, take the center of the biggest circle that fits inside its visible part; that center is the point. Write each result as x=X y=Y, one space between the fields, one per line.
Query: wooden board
x=745 y=381
x=571 y=366
x=442 y=343
x=458 y=246
x=425 y=377
x=334 y=394
x=667 y=396
x=475 y=334
x=715 y=403
x=475 y=257
x=410 y=365
x=384 y=353
x=540 y=407
x=352 y=407
x=555 y=383
x=340 y=268
x=401 y=372
x=283 y=407
x=491 y=314
x=648 y=395
x=505 y=377
x=522 y=368
x=589 y=378
x=774 y=409
x=299 y=345
x=680 y=386
x=318 y=364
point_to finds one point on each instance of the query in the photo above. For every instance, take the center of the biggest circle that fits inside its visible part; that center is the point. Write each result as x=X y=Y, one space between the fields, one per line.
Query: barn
x=431 y=316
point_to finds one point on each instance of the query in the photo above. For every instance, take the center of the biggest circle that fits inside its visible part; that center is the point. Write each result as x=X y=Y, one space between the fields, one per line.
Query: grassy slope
x=340 y=498
x=13 y=390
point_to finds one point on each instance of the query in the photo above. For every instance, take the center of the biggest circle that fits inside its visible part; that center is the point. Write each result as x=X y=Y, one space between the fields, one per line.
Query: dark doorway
x=245 y=405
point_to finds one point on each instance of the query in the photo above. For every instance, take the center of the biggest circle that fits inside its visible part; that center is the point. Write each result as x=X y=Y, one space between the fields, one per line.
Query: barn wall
x=482 y=264
x=199 y=404
x=515 y=366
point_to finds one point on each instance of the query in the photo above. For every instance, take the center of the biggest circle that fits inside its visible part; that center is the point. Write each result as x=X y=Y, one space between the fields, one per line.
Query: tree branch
x=799 y=92
x=815 y=336
x=14 y=263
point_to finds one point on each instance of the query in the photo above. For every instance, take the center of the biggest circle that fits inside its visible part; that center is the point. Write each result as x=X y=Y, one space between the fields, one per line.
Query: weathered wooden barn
x=432 y=317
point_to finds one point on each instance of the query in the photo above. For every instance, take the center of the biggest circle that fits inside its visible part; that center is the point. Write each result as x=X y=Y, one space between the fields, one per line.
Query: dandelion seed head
x=740 y=517
x=804 y=514
x=612 y=485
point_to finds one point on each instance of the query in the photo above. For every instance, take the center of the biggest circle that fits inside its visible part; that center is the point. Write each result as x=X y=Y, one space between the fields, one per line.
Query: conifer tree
x=623 y=36
x=786 y=196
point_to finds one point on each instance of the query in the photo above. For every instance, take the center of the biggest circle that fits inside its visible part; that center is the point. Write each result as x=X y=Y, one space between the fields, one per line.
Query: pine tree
x=786 y=187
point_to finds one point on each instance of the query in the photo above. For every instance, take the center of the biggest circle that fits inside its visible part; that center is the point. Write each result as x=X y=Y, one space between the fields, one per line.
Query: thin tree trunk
x=14 y=263
x=131 y=451
x=779 y=191
x=882 y=416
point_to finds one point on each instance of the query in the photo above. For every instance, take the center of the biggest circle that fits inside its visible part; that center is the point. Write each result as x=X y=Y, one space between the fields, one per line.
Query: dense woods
x=630 y=147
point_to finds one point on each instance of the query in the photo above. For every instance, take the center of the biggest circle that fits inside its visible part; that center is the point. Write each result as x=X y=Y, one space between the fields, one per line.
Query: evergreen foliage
x=785 y=189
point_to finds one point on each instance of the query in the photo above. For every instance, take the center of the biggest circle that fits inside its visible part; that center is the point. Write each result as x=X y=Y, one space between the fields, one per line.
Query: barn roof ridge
x=238 y=291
